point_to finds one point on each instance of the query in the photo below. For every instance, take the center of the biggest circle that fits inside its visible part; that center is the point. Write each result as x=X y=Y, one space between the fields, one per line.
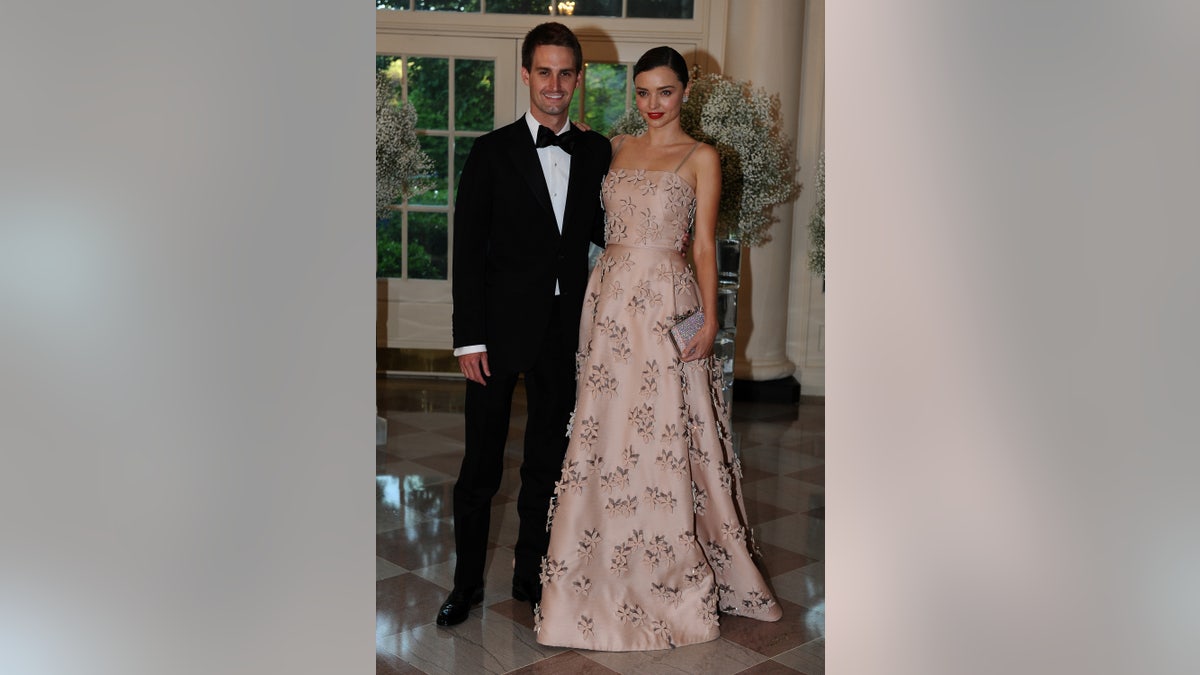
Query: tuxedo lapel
x=579 y=193
x=525 y=160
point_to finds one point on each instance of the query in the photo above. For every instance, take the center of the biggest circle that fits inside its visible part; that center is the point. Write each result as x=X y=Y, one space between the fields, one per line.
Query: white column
x=806 y=299
x=764 y=46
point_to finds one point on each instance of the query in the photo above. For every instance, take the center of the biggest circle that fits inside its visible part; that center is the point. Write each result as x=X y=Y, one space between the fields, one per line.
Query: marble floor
x=783 y=458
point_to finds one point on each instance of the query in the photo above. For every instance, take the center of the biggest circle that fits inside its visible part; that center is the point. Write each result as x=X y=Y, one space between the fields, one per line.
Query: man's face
x=551 y=79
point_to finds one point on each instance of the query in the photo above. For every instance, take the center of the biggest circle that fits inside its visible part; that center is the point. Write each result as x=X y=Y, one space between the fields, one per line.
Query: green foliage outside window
x=661 y=9
x=428 y=245
x=389 y=246
x=462 y=148
x=517 y=6
x=604 y=94
x=449 y=5
x=438 y=194
x=474 y=95
x=429 y=91
x=594 y=8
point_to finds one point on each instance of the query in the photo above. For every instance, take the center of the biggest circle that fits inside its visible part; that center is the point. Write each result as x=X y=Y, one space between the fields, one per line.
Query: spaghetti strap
x=685 y=157
x=620 y=142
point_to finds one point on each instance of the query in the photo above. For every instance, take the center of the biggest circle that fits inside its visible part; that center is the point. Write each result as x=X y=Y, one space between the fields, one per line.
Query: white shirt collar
x=534 y=124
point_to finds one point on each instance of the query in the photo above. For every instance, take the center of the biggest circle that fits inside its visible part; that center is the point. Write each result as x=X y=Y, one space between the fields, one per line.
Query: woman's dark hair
x=553 y=34
x=662 y=56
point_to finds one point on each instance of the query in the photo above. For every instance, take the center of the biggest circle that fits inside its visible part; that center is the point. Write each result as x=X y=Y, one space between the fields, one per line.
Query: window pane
x=604 y=95
x=427 y=245
x=393 y=4
x=517 y=7
x=591 y=8
x=429 y=91
x=462 y=148
x=388 y=251
x=660 y=9
x=474 y=97
x=437 y=147
x=449 y=5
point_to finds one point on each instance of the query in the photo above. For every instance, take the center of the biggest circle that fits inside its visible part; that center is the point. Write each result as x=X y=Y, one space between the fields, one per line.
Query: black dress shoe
x=456 y=608
x=526 y=591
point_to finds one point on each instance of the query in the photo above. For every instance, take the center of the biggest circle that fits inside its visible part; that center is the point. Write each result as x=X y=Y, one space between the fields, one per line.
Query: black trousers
x=550 y=394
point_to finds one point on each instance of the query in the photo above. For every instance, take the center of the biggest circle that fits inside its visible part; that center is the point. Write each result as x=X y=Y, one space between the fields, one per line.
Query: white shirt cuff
x=470 y=349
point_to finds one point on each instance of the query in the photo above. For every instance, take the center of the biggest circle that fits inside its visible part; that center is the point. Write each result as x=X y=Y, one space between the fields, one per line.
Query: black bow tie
x=566 y=140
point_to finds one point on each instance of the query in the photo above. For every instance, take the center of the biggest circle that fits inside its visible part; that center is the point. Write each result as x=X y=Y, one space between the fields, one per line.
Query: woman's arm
x=704 y=248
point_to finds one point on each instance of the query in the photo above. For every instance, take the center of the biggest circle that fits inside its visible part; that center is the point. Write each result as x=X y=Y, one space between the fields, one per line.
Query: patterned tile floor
x=783 y=457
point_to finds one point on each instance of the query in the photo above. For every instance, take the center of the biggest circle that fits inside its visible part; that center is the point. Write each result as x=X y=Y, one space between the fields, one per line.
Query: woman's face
x=659 y=95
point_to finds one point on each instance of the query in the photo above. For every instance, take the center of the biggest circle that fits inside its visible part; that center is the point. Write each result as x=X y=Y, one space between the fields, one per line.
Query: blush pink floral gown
x=648 y=539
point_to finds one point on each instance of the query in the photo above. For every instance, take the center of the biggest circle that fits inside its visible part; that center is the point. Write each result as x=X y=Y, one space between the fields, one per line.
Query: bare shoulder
x=704 y=161
x=706 y=155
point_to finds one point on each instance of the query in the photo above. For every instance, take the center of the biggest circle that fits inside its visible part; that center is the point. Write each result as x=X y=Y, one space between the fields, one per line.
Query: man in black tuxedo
x=528 y=204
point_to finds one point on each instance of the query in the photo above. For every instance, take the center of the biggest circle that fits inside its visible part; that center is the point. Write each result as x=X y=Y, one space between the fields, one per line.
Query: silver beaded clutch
x=685 y=329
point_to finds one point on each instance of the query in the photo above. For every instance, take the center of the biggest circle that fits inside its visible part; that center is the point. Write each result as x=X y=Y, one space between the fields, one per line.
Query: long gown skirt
x=649 y=538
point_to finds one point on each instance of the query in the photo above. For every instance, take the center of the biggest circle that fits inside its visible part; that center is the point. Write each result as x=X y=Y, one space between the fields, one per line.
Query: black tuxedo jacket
x=507 y=248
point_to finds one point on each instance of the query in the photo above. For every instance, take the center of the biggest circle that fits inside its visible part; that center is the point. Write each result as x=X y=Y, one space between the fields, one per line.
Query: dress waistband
x=646 y=247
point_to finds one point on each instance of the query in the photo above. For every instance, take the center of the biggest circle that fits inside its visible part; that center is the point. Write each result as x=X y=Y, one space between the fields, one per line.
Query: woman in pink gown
x=649 y=539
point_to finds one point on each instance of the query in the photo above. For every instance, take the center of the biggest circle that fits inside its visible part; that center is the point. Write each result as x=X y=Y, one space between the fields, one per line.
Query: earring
x=685 y=99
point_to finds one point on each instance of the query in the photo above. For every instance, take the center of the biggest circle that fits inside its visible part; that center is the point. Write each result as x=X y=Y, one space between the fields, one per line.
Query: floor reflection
x=783 y=455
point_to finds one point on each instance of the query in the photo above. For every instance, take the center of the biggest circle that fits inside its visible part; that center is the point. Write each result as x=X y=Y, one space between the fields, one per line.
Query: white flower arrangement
x=816 y=226
x=758 y=160
x=400 y=164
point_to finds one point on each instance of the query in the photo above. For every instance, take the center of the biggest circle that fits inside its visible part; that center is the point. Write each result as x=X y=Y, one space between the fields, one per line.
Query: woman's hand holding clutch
x=701 y=345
